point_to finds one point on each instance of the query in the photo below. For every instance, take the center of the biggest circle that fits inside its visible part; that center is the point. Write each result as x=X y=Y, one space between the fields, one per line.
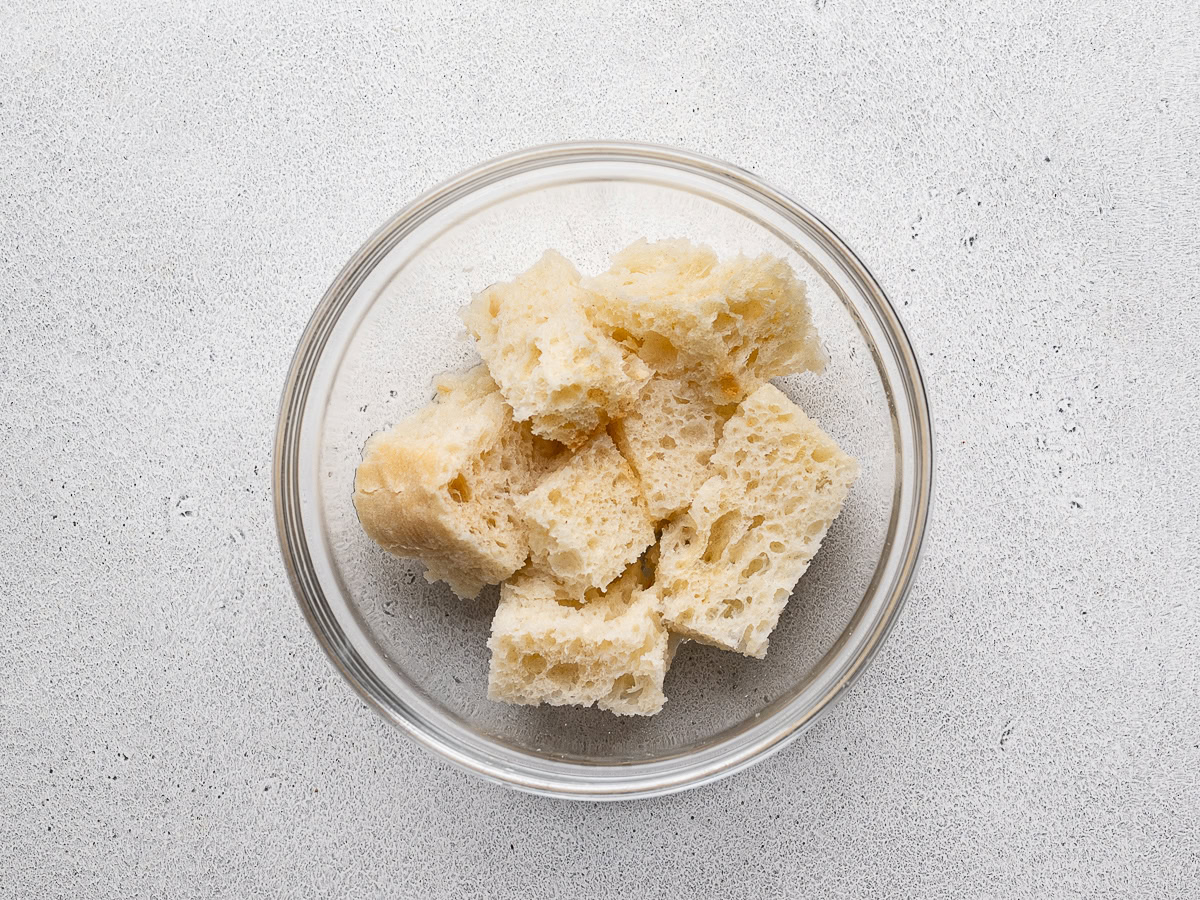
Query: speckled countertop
x=180 y=182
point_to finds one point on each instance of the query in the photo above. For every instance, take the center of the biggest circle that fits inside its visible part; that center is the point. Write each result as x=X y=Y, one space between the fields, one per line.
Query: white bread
x=729 y=564
x=669 y=438
x=554 y=644
x=553 y=366
x=733 y=325
x=587 y=520
x=440 y=485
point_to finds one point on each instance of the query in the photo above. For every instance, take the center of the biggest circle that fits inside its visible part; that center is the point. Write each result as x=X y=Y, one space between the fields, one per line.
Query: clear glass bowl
x=389 y=324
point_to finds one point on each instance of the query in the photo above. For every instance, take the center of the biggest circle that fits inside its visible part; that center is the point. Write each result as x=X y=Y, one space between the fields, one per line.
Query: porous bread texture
x=554 y=367
x=552 y=643
x=587 y=520
x=649 y=563
x=731 y=325
x=440 y=484
x=669 y=438
x=687 y=502
x=729 y=564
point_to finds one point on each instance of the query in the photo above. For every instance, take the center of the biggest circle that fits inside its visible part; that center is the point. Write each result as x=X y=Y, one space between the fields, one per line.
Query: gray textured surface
x=178 y=186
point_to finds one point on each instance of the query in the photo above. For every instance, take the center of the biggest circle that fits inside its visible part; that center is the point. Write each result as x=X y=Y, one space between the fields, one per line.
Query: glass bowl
x=388 y=324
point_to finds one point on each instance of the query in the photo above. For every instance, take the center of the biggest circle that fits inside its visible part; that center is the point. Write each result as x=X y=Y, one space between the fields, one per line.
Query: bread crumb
x=440 y=485
x=729 y=564
x=669 y=438
x=587 y=520
x=553 y=366
x=552 y=643
x=730 y=326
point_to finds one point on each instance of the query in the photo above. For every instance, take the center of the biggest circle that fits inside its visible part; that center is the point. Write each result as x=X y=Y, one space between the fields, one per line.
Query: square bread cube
x=728 y=565
x=669 y=438
x=440 y=485
x=587 y=520
x=553 y=366
x=732 y=325
x=552 y=643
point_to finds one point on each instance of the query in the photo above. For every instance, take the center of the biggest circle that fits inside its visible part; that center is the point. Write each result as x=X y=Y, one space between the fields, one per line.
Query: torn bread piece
x=440 y=485
x=733 y=325
x=587 y=520
x=729 y=564
x=552 y=643
x=553 y=366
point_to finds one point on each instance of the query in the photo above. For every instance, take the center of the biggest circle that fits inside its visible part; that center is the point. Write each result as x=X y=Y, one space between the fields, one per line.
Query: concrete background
x=180 y=182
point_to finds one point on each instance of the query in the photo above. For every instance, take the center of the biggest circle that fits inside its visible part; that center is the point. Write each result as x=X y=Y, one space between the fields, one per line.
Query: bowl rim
x=574 y=780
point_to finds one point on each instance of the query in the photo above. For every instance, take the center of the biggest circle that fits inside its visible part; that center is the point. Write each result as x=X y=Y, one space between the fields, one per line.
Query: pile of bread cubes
x=621 y=466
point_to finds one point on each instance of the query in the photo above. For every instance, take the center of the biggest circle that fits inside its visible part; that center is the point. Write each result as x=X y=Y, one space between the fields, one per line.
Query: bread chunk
x=440 y=485
x=552 y=643
x=733 y=325
x=555 y=368
x=669 y=438
x=587 y=520
x=729 y=564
